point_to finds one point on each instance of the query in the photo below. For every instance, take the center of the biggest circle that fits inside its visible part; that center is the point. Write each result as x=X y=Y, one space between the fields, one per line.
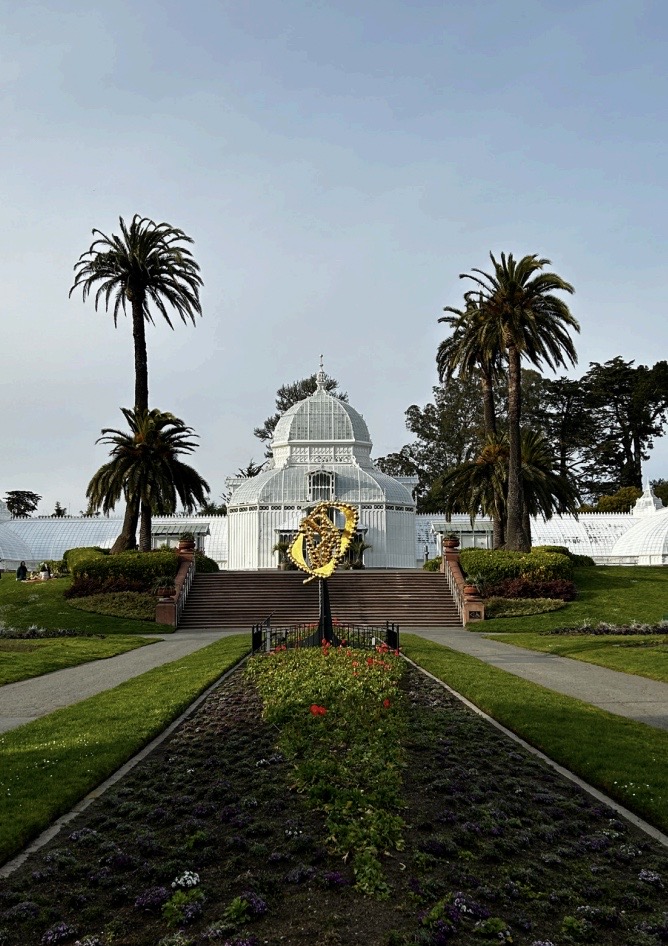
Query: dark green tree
x=289 y=394
x=59 y=511
x=145 y=469
x=21 y=502
x=629 y=406
x=150 y=267
x=660 y=488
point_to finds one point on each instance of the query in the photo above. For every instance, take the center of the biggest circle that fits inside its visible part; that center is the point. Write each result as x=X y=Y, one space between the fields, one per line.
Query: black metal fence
x=363 y=636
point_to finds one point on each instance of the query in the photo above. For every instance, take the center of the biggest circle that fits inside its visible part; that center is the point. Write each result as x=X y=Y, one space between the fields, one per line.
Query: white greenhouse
x=321 y=452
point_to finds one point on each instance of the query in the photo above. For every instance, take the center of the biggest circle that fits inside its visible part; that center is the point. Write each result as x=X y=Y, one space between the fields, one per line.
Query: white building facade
x=321 y=453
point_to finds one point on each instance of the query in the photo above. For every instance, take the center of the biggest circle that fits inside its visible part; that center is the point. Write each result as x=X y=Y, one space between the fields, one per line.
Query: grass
x=49 y=765
x=42 y=604
x=605 y=593
x=623 y=758
x=644 y=654
x=22 y=659
x=139 y=606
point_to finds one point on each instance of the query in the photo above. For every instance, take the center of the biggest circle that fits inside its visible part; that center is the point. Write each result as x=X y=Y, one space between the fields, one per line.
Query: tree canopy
x=289 y=394
x=21 y=502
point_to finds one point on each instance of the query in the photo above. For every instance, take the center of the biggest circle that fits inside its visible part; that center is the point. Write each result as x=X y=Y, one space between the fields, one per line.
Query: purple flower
x=58 y=934
x=651 y=877
x=256 y=905
x=152 y=899
x=21 y=911
x=334 y=878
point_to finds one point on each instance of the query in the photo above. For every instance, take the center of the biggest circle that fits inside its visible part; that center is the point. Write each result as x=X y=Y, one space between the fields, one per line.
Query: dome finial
x=321 y=377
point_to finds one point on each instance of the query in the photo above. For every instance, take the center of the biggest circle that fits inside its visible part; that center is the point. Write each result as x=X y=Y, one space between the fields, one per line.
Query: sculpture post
x=325 y=628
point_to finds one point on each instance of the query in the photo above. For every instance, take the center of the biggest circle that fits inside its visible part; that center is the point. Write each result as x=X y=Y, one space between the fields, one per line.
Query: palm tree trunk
x=145 y=528
x=489 y=415
x=127 y=540
x=141 y=357
x=516 y=539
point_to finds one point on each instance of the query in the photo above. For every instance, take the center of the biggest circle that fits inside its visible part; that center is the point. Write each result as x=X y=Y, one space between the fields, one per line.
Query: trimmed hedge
x=73 y=557
x=144 y=567
x=520 y=607
x=204 y=564
x=84 y=587
x=432 y=564
x=492 y=566
x=528 y=588
x=583 y=561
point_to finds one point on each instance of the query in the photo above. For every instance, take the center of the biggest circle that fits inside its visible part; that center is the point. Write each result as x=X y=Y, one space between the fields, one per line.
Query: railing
x=361 y=636
x=184 y=591
x=455 y=586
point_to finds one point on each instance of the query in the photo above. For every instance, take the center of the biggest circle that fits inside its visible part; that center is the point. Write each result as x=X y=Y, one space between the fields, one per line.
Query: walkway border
x=640 y=823
x=49 y=833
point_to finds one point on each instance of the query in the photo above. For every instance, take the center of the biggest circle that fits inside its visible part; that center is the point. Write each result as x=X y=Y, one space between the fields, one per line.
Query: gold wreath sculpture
x=319 y=545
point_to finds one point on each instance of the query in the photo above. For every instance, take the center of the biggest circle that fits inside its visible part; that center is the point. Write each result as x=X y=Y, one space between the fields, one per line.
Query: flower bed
x=238 y=830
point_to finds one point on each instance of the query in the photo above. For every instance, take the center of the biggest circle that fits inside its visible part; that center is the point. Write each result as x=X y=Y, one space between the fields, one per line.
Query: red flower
x=386 y=703
x=318 y=710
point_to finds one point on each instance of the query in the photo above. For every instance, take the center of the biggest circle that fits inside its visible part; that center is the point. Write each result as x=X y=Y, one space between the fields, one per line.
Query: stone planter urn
x=470 y=590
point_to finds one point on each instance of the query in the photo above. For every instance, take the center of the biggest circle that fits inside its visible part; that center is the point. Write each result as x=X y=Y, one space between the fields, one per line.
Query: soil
x=499 y=849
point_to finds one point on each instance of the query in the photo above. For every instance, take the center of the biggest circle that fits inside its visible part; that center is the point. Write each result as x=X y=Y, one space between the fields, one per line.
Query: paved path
x=635 y=697
x=27 y=700
x=622 y=693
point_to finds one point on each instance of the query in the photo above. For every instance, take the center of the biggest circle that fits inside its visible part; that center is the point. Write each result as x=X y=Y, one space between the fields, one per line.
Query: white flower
x=187 y=879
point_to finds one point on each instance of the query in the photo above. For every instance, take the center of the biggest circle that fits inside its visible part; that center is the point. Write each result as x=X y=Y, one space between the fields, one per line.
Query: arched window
x=321 y=486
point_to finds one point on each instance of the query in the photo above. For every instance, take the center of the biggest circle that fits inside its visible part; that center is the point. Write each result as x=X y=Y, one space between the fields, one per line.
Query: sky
x=338 y=165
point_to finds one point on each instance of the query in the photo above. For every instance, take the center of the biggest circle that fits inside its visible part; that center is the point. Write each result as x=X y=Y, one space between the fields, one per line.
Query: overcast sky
x=338 y=164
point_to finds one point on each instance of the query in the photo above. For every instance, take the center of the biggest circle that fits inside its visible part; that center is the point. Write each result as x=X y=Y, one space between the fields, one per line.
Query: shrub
x=84 y=587
x=555 y=549
x=73 y=557
x=583 y=561
x=519 y=607
x=528 y=588
x=491 y=567
x=122 y=604
x=432 y=564
x=205 y=564
x=143 y=567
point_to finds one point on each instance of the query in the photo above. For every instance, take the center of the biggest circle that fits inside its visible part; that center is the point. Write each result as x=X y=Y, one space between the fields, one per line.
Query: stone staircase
x=239 y=599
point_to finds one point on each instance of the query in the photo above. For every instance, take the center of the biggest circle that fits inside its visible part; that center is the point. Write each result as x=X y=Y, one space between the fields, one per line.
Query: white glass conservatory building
x=321 y=452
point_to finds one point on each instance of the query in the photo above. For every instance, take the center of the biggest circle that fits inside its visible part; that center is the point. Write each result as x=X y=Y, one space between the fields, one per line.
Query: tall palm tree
x=545 y=491
x=478 y=487
x=523 y=318
x=145 y=469
x=146 y=265
x=467 y=353
x=462 y=354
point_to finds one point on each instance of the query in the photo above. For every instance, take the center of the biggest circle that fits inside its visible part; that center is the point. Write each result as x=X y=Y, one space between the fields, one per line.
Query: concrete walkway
x=27 y=700
x=635 y=697
x=638 y=698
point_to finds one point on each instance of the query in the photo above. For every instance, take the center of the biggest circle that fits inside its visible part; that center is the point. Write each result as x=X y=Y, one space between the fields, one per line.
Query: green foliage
x=520 y=607
x=340 y=723
x=582 y=561
x=433 y=564
x=494 y=566
x=73 y=557
x=137 y=566
x=555 y=549
x=621 y=501
x=204 y=564
x=42 y=605
x=175 y=908
x=119 y=604
x=21 y=502
x=23 y=659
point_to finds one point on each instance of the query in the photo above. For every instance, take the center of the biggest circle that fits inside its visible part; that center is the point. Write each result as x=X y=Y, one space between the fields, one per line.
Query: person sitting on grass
x=21 y=572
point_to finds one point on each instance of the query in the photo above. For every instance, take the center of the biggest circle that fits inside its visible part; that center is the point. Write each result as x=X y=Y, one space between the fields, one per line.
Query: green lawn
x=21 y=659
x=49 y=765
x=615 y=594
x=42 y=604
x=644 y=654
x=623 y=758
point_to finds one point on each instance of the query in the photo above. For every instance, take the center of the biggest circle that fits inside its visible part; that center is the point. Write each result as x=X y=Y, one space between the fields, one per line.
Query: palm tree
x=463 y=354
x=147 y=264
x=145 y=469
x=478 y=487
x=545 y=491
x=521 y=316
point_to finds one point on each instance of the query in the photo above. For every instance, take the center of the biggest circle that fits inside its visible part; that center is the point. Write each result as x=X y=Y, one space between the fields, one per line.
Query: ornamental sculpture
x=320 y=545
